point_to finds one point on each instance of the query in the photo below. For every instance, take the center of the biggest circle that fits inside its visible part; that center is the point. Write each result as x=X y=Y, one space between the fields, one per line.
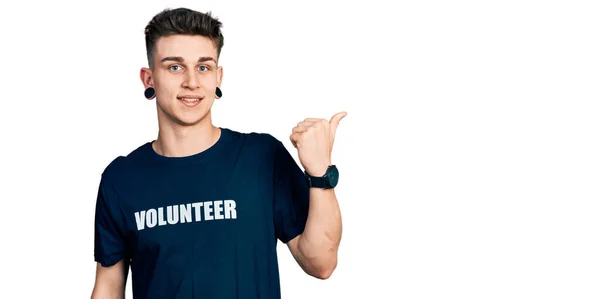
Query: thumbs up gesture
x=313 y=138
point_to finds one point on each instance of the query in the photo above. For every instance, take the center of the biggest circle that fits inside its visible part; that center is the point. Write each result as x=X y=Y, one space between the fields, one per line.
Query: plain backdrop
x=469 y=158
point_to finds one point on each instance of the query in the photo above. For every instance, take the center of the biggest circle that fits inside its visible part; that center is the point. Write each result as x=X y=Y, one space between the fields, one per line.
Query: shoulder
x=114 y=168
x=122 y=166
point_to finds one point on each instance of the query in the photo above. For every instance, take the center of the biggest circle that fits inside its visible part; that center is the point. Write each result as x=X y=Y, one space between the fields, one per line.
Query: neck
x=179 y=141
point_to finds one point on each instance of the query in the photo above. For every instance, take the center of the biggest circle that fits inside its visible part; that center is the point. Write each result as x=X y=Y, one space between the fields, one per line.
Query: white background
x=469 y=158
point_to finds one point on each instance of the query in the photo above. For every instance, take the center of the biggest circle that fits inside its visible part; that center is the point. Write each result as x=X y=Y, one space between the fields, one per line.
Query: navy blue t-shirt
x=205 y=225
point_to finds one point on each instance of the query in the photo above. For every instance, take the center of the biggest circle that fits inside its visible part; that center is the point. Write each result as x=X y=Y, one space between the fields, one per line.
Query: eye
x=203 y=68
x=173 y=67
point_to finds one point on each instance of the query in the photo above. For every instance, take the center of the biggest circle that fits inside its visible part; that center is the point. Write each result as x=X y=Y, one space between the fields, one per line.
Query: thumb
x=335 y=121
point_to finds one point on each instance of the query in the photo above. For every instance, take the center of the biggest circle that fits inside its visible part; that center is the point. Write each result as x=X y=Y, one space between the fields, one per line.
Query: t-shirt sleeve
x=291 y=195
x=109 y=242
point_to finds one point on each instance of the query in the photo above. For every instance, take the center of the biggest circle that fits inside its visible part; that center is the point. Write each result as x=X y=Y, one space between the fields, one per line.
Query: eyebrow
x=180 y=59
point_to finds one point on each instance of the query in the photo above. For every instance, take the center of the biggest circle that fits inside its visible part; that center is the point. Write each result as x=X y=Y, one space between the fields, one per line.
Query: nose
x=191 y=81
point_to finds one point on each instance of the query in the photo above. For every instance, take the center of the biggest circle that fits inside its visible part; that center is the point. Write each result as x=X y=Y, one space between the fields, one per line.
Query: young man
x=197 y=213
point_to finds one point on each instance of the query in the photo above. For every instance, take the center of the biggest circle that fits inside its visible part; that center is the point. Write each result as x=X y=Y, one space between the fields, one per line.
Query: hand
x=314 y=138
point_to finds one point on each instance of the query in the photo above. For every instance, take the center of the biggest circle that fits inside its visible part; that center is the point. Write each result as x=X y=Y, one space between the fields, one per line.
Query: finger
x=299 y=129
x=295 y=138
x=313 y=119
x=335 y=121
x=306 y=124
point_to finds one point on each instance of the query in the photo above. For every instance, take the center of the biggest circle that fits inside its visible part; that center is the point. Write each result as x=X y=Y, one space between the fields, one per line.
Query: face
x=185 y=78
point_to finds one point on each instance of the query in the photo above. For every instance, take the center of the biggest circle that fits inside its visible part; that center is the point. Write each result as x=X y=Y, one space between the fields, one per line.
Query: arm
x=110 y=281
x=316 y=248
x=109 y=245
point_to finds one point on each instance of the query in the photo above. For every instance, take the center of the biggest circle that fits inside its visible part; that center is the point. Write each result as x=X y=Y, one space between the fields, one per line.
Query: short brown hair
x=182 y=21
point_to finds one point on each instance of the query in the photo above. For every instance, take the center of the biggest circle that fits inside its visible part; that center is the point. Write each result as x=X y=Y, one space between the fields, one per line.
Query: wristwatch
x=328 y=181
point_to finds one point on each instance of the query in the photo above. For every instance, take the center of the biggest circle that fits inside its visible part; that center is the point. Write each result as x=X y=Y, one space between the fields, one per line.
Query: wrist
x=327 y=179
x=318 y=171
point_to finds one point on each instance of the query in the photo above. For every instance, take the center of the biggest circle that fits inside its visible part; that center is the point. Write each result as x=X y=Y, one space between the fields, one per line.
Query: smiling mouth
x=189 y=100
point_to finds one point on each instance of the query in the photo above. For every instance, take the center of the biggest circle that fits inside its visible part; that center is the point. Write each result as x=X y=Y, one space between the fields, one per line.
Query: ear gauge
x=149 y=93
x=219 y=93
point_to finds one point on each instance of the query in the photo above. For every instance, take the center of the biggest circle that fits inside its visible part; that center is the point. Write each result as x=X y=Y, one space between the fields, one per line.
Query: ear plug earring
x=219 y=93
x=149 y=93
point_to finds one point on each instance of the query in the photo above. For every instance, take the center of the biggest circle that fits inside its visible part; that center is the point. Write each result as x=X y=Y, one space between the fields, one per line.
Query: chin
x=184 y=118
x=189 y=121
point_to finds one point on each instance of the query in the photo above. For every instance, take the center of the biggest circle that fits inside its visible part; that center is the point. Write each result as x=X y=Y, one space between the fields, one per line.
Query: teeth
x=189 y=100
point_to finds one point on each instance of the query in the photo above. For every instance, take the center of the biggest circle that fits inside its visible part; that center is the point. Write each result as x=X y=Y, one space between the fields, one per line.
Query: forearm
x=323 y=231
x=100 y=292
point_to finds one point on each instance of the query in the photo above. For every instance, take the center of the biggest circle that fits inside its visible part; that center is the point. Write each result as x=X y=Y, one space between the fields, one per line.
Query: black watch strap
x=313 y=181
x=327 y=181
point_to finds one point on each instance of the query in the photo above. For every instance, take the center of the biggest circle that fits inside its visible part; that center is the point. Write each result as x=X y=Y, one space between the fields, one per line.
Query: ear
x=219 y=76
x=146 y=77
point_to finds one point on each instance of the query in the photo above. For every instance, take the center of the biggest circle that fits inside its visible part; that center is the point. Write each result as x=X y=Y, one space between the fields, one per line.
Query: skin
x=316 y=248
x=188 y=66
x=184 y=66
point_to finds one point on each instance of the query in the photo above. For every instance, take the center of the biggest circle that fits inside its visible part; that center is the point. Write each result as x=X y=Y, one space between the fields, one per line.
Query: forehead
x=189 y=47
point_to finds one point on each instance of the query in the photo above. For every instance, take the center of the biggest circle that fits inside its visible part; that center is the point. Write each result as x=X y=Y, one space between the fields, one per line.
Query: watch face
x=332 y=176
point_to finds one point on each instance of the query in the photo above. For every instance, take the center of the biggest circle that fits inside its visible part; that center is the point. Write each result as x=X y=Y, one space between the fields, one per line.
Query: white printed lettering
x=186 y=213
x=230 y=212
x=161 y=217
x=197 y=206
x=207 y=210
x=218 y=209
x=151 y=218
x=139 y=219
x=172 y=214
x=182 y=213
